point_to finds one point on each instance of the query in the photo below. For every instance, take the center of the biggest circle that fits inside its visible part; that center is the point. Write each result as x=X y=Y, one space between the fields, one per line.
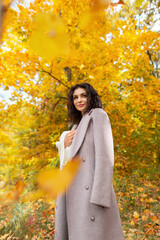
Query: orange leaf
x=52 y=232
x=119 y=2
x=15 y=193
x=54 y=181
x=19 y=186
x=101 y=4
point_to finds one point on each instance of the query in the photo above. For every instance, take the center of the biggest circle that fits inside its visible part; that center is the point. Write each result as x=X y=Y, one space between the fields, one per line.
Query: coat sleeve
x=104 y=159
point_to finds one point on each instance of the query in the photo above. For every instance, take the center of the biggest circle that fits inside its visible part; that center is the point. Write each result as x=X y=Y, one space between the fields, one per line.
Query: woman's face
x=80 y=100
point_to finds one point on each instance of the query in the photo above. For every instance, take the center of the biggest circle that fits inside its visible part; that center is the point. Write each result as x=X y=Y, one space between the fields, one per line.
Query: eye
x=84 y=95
x=74 y=97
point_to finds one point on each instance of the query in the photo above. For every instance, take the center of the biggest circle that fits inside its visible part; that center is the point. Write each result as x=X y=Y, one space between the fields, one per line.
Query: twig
x=58 y=80
x=148 y=231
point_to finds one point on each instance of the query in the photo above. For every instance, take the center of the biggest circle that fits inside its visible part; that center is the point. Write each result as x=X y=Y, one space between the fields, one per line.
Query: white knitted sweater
x=63 y=152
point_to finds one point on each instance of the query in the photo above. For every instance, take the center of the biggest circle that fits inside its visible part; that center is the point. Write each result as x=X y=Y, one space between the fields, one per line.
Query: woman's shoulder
x=99 y=117
x=98 y=112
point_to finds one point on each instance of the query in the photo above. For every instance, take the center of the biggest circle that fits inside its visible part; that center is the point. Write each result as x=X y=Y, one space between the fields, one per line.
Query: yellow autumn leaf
x=49 y=39
x=5 y=236
x=96 y=11
x=54 y=181
x=100 y=4
x=155 y=220
x=7 y=1
x=151 y=200
x=135 y=215
x=103 y=4
x=132 y=223
x=140 y=189
x=145 y=217
x=138 y=3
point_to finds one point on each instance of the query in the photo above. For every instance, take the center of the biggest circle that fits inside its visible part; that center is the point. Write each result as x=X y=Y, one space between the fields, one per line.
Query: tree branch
x=58 y=80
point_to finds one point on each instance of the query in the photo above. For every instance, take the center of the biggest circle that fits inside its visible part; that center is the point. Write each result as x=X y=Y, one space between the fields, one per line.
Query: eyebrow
x=80 y=94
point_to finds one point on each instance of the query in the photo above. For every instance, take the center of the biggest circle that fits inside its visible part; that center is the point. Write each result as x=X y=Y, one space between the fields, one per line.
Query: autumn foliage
x=49 y=46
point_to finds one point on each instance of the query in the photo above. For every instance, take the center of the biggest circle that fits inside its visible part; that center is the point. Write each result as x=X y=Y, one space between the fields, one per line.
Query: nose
x=79 y=99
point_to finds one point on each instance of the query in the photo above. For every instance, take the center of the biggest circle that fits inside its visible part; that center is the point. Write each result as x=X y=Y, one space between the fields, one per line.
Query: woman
x=88 y=210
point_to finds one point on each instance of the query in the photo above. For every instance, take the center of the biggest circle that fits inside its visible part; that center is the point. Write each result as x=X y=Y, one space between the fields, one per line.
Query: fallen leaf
x=135 y=215
x=156 y=220
x=4 y=236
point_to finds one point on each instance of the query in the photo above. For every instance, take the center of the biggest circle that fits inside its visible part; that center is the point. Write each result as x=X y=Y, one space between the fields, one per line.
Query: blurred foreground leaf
x=49 y=39
x=96 y=11
x=54 y=181
x=50 y=183
x=15 y=193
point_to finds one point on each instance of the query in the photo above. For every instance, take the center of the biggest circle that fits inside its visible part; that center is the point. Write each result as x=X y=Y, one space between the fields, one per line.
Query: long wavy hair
x=93 y=101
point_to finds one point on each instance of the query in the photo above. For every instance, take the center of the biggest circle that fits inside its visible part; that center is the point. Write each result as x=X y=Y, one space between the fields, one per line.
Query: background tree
x=117 y=52
x=111 y=53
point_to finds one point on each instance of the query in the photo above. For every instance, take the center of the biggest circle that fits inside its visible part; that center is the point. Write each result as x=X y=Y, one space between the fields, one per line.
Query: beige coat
x=88 y=210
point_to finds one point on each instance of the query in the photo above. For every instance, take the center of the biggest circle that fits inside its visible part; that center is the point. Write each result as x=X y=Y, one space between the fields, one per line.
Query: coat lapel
x=80 y=134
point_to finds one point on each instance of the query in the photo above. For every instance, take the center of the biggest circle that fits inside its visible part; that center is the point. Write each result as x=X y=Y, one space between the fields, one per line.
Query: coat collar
x=80 y=134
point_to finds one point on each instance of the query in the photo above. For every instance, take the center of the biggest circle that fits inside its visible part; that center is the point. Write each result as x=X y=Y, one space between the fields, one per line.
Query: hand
x=69 y=138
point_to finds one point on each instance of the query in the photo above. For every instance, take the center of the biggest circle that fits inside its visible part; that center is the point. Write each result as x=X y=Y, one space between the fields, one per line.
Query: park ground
x=137 y=196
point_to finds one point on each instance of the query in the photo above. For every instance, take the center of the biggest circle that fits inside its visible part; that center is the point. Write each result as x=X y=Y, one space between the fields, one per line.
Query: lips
x=80 y=105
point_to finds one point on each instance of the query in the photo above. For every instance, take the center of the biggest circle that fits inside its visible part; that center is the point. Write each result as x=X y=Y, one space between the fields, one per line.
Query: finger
x=73 y=131
x=71 y=139
x=69 y=143
x=71 y=134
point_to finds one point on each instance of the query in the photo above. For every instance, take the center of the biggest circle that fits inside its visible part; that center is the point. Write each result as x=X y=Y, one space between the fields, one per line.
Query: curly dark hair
x=93 y=101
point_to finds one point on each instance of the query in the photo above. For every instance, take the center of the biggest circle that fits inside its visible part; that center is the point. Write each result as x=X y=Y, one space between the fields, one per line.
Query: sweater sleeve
x=104 y=159
x=63 y=152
